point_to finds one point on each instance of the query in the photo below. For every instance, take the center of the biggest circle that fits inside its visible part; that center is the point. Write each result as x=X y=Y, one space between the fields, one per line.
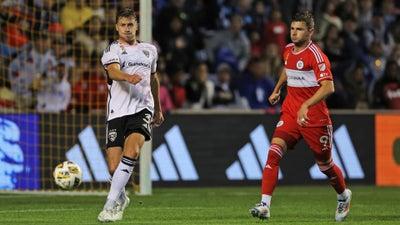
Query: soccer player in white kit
x=133 y=107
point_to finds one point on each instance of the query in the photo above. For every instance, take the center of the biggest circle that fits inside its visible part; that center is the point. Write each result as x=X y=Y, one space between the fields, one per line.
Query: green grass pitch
x=224 y=205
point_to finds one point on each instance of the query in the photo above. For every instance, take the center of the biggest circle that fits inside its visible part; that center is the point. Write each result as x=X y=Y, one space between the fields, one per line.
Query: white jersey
x=125 y=98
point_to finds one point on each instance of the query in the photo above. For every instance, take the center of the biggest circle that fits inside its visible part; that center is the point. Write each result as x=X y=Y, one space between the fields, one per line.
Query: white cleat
x=260 y=211
x=343 y=207
x=110 y=215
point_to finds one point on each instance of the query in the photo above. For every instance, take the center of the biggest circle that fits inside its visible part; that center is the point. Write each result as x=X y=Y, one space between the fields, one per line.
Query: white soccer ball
x=67 y=175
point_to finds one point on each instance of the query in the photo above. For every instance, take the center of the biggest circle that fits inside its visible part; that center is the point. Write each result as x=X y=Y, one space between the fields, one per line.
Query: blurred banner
x=209 y=149
x=232 y=149
x=19 y=152
x=388 y=150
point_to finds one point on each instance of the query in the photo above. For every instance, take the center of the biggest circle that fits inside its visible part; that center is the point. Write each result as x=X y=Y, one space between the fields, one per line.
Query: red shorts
x=319 y=139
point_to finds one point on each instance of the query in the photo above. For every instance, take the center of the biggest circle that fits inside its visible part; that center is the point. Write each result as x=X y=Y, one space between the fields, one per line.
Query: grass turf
x=225 y=205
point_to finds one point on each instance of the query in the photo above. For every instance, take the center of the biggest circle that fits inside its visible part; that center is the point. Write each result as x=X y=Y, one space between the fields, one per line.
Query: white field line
x=54 y=193
x=39 y=210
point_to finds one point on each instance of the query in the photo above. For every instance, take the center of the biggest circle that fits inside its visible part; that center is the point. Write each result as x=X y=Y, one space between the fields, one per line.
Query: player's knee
x=132 y=150
x=275 y=155
x=325 y=165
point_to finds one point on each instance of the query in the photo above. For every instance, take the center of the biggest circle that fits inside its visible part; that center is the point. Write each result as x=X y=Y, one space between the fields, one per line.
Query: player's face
x=299 y=33
x=127 y=27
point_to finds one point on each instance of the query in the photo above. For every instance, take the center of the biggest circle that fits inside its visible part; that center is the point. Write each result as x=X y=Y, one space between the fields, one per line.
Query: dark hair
x=125 y=12
x=306 y=17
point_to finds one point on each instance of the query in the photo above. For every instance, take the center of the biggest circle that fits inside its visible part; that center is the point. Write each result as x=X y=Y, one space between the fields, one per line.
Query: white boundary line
x=39 y=210
x=56 y=193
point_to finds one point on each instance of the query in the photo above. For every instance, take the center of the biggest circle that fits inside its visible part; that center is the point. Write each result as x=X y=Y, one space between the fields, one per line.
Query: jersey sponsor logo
x=300 y=64
x=172 y=160
x=322 y=67
x=131 y=64
x=296 y=78
x=252 y=158
x=87 y=151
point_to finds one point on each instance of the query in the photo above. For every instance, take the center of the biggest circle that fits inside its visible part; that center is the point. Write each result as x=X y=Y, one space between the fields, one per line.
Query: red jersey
x=304 y=70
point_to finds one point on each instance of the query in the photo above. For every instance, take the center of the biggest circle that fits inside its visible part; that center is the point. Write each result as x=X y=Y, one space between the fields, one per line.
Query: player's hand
x=133 y=79
x=274 y=98
x=158 y=118
x=302 y=118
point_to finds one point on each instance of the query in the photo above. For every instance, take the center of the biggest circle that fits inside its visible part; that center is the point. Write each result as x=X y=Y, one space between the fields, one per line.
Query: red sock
x=336 y=178
x=271 y=169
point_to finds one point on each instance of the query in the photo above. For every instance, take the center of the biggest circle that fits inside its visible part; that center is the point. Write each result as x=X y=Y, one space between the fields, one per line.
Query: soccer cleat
x=111 y=215
x=260 y=211
x=343 y=207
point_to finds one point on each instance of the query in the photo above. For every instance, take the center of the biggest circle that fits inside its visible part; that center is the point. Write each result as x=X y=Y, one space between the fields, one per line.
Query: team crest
x=300 y=64
x=112 y=135
x=322 y=66
x=146 y=53
x=280 y=123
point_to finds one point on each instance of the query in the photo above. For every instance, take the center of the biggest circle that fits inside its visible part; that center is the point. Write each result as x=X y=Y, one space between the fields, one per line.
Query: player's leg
x=114 y=145
x=137 y=131
x=269 y=178
x=271 y=169
x=286 y=134
x=114 y=155
x=121 y=176
x=319 y=140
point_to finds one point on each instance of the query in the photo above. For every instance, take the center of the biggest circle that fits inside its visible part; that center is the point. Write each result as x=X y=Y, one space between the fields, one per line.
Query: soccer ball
x=67 y=175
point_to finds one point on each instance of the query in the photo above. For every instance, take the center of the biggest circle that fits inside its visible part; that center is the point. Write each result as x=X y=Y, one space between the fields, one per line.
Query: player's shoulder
x=316 y=52
x=148 y=46
x=112 y=47
x=287 y=49
x=290 y=45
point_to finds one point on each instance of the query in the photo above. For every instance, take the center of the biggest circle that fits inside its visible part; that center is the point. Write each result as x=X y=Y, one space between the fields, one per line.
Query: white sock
x=266 y=199
x=343 y=195
x=122 y=196
x=119 y=180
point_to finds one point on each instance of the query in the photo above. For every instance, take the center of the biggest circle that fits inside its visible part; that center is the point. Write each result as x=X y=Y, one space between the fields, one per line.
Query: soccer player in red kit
x=304 y=115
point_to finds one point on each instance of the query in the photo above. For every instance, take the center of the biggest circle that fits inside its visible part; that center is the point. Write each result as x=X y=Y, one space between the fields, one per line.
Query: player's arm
x=276 y=94
x=114 y=72
x=158 y=117
x=326 y=88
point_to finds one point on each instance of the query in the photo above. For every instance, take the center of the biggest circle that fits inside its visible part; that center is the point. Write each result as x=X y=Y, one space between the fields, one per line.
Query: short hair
x=126 y=13
x=306 y=17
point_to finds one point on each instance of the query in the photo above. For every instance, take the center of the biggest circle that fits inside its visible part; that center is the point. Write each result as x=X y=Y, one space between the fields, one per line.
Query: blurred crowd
x=212 y=53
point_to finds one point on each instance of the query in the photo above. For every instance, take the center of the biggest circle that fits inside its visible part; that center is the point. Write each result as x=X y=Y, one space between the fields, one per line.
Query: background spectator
x=199 y=89
x=359 y=37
